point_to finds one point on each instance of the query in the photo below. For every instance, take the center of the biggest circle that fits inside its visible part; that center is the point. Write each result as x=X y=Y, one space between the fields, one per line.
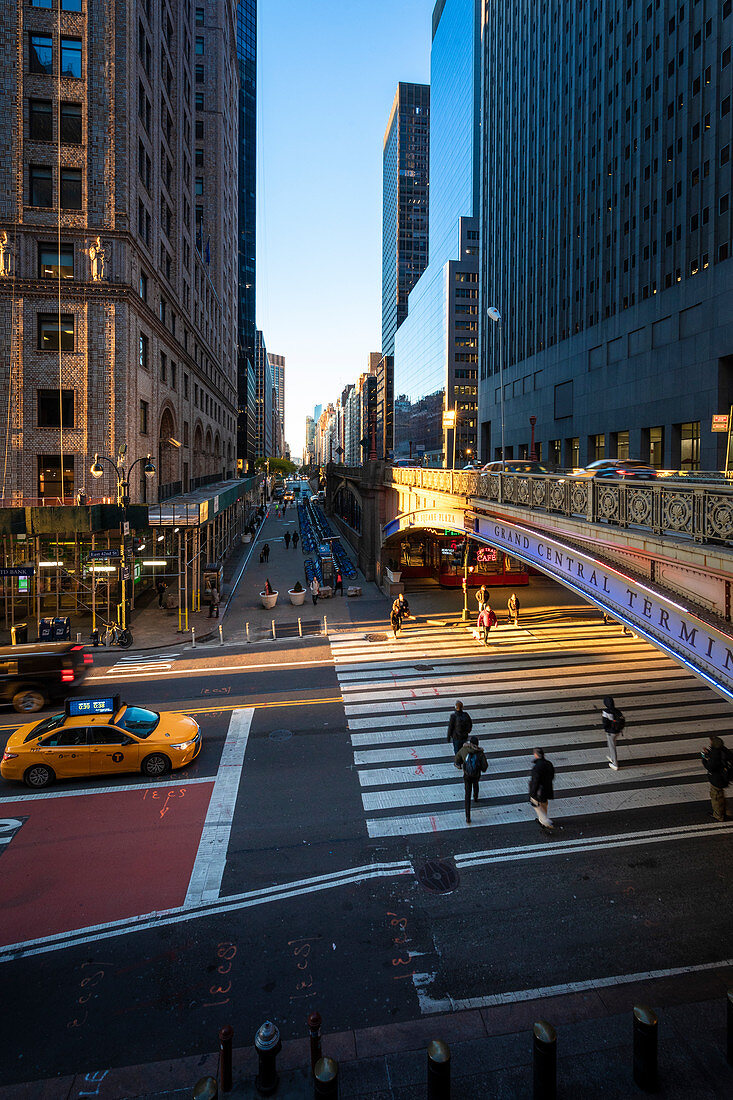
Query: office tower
x=436 y=347
x=309 y=454
x=247 y=239
x=117 y=245
x=265 y=404
x=404 y=204
x=385 y=407
x=277 y=363
x=606 y=233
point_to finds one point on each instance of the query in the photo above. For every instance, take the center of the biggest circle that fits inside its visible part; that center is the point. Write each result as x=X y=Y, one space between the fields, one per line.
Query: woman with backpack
x=472 y=759
x=613 y=724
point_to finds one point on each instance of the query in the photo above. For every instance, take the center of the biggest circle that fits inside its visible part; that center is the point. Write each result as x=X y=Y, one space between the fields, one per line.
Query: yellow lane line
x=257 y=706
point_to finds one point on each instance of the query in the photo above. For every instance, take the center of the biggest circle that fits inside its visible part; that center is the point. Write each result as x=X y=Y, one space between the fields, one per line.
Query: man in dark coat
x=613 y=724
x=459 y=726
x=287 y=540
x=472 y=759
x=718 y=762
x=540 y=787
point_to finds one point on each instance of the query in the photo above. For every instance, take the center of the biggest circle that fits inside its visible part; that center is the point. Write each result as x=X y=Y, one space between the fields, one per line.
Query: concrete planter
x=393 y=575
x=296 y=598
x=268 y=601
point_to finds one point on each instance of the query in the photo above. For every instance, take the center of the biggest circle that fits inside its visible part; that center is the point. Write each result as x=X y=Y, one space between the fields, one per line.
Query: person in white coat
x=315 y=590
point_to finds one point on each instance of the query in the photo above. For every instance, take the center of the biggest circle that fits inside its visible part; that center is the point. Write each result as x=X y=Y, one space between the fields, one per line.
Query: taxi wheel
x=28 y=701
x=38 y=776
x=156 y=764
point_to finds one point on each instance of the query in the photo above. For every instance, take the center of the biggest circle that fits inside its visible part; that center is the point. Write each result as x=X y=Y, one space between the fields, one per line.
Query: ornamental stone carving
x=639 y=507
x=676 y=512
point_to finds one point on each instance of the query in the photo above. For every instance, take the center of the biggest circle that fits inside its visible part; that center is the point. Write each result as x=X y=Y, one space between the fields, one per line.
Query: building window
x=199 y=74
x=71 y=57
x=199 y=101
x=144 y=350
x=656 y=447
x=40 y=54
x=70 y=123
x=55 y=332
x=71 y=188
x=199 y=158
x=40 y=120
x=163 y=367
x=143 y=286
x=55 y=409
x=690 y=446
x=173 y=375
x=199 y=130
x=622 y=445
x=40 y=185
x=50 y=482
x=144 y=417
x=41 y=3
x=199 y=185
x=185 y=385
x=597 y=447
x=55 y=262
x=71 y=5
x=199 y=44
x=199 y=17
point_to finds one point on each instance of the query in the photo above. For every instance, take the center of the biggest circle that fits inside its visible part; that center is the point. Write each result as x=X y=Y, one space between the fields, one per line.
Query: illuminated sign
x=81 y=708
x=486 y=554
x=720 y=422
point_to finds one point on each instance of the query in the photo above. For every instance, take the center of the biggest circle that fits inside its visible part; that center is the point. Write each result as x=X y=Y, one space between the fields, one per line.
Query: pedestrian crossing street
x=142 y=663
x=533 y=685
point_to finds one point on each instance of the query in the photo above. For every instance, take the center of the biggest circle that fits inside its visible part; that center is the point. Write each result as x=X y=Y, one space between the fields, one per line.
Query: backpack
x=472 y=765
x=492 y=619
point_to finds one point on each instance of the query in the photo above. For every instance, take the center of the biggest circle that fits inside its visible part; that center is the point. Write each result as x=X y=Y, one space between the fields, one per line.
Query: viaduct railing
x=703 y=512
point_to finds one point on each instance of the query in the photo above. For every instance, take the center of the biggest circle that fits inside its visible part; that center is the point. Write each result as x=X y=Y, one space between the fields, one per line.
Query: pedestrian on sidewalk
x=482 y=598
x=214 y=602
x=269 y=590
x=315 y=589
x=161 y=588
x=613 y=724
x=339 y=585
x=540 y=787
x=513 y=605
x=718 y=763
x=287 y=540
x=395 y=619
x=266 y=552
x=472 y=758
x=402 y=607
x=296 y=536
x=460 y=725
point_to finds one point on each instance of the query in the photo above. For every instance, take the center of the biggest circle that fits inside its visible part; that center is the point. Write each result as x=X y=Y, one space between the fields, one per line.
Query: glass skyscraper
x=247 y=239
x=436 y=347
x=404 y=204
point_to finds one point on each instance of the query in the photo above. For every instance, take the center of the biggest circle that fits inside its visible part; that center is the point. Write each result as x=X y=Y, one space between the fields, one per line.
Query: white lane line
x=211 y=857
x=83 y=792
x=583 y=806
x=208 y=670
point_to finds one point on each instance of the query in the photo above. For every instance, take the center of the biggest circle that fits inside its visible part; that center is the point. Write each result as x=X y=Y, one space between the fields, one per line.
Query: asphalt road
x=111 y=968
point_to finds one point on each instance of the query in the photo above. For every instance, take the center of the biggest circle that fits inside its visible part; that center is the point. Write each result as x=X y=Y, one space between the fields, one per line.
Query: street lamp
x=494 y=315
x=450 y=422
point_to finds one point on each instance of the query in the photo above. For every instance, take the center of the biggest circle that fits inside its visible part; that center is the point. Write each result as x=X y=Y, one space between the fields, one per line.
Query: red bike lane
x=72 y=862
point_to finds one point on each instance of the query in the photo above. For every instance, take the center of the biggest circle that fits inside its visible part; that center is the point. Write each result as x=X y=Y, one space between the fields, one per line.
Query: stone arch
x=168 y=461
x=209 y=451
x=199 y=459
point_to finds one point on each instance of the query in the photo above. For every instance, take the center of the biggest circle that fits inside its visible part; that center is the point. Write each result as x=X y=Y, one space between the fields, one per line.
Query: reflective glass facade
x=425 y=344
x=247 y=166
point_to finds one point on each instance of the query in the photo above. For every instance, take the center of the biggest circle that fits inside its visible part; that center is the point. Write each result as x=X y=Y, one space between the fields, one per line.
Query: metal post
x=464 y=613
x=226 y=1035
x=438 y=1070
x=193 y=637
x=325 y=625
x=268 y=1046
x=300 y=628
x=501 y=382
x=247 y=625
x=314 y=1027
x=730 y=1028
x=645 y=1048
x=274 y=635
x=185 y=579
x=326 y=1079
x=93 y=576
x=221 y=634
x=180 y=601
x=544 y=1061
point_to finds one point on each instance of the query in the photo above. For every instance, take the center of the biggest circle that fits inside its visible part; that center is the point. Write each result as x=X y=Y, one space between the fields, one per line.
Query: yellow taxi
x=100 y=737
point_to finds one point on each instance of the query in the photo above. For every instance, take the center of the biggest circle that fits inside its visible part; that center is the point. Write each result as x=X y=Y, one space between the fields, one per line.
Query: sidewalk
x=491 y=1051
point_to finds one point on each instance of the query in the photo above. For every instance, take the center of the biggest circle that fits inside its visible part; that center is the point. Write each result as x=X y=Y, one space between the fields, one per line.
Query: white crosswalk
x=539 y=685
x=142 y=663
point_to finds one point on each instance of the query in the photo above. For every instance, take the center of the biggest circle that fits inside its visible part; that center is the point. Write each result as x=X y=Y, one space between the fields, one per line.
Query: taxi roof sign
x=81 y=708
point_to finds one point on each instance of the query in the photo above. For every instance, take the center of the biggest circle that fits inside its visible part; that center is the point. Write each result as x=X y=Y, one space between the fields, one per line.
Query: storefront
x=438 y=554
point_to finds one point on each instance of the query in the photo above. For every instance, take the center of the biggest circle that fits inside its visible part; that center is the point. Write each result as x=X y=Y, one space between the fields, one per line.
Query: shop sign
x=449 y=519
x=720 y=422
x=16 y=571
x=104 y=553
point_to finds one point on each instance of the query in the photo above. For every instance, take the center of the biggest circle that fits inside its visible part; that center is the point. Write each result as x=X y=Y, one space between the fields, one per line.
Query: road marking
x=207 y=670
x=40 y=796
x=133 y=663
x=211 y=857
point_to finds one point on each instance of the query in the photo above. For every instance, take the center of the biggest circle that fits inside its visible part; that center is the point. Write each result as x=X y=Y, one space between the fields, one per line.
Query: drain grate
x=424 y=668
x=439 y=876
x=290 y=630
x=376 y=637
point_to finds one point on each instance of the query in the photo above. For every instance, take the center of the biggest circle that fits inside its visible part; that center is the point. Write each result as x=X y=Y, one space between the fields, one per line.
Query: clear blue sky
x=328 y=72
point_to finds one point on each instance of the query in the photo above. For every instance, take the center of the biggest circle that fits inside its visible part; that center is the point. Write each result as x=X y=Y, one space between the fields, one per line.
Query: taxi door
x=66 y=752
x=111 y=750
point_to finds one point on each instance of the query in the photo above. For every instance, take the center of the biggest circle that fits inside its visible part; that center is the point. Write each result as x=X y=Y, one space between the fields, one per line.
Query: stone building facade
x=118 y=250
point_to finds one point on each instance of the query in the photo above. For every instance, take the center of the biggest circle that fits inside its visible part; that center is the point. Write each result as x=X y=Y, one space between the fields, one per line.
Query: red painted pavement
x=83 y=861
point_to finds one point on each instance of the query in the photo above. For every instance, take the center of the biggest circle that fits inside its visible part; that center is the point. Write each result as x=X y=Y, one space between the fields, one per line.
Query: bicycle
x=117 y=635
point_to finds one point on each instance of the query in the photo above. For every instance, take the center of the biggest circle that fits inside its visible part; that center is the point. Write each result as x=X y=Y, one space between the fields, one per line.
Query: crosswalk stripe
x=527 y=693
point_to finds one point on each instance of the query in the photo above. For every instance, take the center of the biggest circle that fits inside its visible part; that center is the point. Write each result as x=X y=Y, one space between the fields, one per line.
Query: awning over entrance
x=201 y=505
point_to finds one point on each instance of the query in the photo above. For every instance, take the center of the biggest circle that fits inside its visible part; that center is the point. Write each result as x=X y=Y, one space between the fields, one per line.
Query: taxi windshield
x=138 y=721
x=46 y=726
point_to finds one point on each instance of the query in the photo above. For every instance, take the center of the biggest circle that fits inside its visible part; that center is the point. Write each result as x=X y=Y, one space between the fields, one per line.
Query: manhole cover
x=376 y=637
x=424 y=668
x=438 y=876
x=281 y=735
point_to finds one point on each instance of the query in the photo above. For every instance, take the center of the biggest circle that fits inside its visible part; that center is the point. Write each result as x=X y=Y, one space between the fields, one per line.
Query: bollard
x=205 y=1089
x=314 y=1027
x=78 y=637
x=645 y=1048
x=221 y=635
x=274 y=635
x=193 y=637
x=300 y=627
x=325 y=625
x=268 y=1046
x=247 y=631
x=730 y=1027
x=544 y=1061
x=225 y=1058
x=326 y=1079
x=438 y=1070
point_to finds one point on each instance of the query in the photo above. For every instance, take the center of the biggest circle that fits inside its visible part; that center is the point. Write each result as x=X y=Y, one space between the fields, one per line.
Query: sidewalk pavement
x=491 y=1051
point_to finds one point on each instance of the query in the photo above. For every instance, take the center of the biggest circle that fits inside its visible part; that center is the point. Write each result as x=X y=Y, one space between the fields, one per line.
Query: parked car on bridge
x=618 y=468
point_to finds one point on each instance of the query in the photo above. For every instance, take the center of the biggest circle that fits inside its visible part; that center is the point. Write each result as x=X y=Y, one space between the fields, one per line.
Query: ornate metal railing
x=667 y=506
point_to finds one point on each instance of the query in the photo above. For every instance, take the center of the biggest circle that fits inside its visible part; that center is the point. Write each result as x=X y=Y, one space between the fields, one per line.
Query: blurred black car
x=622 y=468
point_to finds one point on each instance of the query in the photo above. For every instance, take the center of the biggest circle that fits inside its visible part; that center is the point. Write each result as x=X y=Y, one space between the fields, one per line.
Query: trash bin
x=19 y=634
x=45 y=630
x=61 y=629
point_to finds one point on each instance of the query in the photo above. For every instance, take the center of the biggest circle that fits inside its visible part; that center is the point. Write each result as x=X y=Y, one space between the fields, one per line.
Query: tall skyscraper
x=277 y=363
x=247 y=215
x=404 y=204
x=265 y=403
x=118 y=215
x=606 y=229
x=436 y=347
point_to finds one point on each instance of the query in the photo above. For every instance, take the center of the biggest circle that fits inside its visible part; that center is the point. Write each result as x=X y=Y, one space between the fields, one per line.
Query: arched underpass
x=685 y=634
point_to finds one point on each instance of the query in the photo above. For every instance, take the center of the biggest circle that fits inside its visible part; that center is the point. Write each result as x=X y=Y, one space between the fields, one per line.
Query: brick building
x=118 y=243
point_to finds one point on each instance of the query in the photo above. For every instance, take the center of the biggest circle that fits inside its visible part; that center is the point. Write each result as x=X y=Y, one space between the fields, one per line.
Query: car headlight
x=184 y=745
